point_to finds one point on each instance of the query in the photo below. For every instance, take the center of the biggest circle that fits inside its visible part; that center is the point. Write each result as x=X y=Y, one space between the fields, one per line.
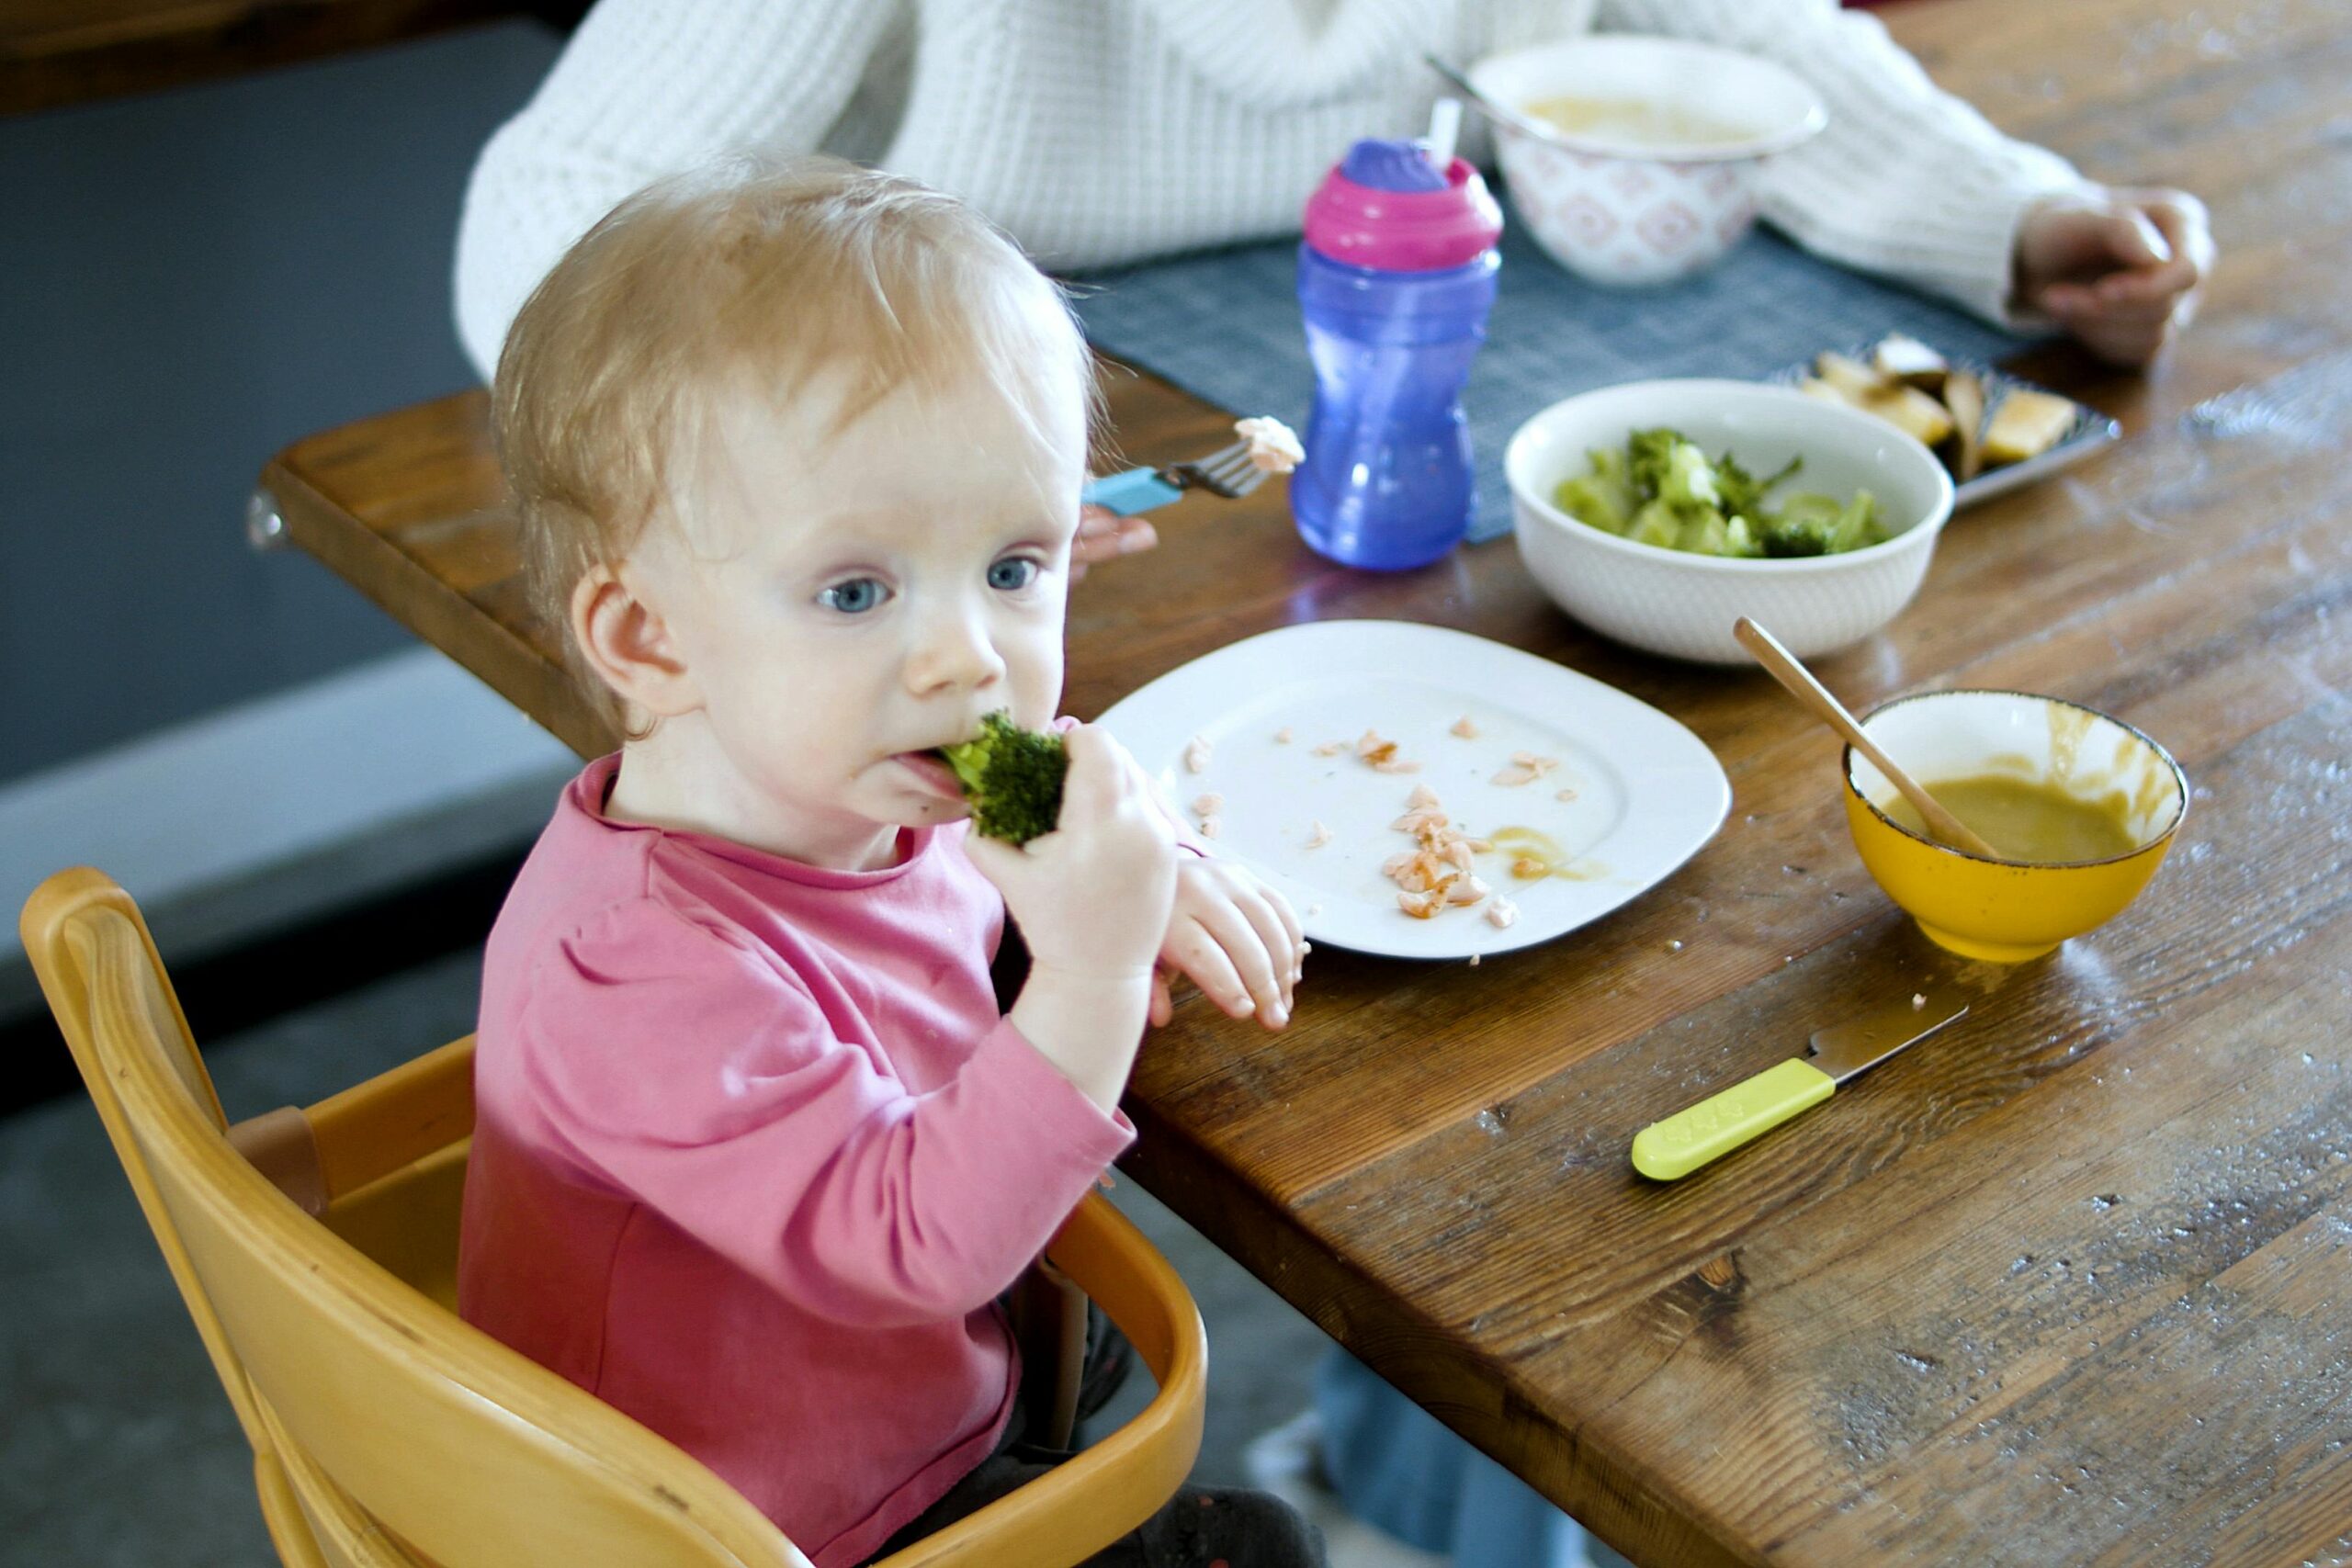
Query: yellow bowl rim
x=2180 y=779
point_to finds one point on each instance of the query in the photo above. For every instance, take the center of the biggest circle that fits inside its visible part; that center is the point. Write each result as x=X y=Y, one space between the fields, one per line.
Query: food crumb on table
x=1196 y=755
x=1919 y=1000
x=1282 y=736
x=1317 y=835
x=1464 y=728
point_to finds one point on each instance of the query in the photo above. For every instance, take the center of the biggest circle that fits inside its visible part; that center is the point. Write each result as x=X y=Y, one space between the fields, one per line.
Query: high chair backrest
x=409 y=1437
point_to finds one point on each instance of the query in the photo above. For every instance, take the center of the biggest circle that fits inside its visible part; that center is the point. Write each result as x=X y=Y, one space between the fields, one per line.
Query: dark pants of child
x=1199 y=1528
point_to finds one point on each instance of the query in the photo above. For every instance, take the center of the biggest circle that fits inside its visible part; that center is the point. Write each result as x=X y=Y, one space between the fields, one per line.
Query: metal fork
x=1225 y=472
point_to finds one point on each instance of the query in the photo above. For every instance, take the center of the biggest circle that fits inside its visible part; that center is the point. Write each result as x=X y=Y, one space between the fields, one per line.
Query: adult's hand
x=2120 y=268
x=1103 y=535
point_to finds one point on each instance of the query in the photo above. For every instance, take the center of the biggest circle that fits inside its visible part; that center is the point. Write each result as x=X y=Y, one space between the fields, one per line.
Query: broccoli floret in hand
x=1013 y=777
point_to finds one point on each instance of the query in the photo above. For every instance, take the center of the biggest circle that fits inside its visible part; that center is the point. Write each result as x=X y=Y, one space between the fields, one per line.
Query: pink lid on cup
x=1386 y=206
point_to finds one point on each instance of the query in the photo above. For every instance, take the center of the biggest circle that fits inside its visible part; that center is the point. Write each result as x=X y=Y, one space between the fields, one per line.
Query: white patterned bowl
x=1674 y=602
x=1621 y=214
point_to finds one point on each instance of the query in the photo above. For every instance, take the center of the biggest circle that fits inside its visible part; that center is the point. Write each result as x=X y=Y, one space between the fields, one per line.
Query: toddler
x=797 y=450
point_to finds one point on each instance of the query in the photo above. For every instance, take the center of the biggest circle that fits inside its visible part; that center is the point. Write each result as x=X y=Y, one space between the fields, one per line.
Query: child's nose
x=957 y=654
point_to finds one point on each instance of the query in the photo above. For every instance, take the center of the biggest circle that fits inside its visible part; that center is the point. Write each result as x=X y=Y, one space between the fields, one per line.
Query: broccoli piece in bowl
x=1662 y=489
x=1806 y=525
x=1663 y=465
x=1605 y=498
x=1013 y=777
x=1743 y=493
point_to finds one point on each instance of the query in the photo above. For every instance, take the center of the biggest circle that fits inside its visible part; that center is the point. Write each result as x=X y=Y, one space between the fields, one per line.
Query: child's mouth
x=935 y=776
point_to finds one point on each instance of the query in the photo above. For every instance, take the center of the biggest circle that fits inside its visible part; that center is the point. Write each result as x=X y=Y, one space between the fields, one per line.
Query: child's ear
x=628 y=642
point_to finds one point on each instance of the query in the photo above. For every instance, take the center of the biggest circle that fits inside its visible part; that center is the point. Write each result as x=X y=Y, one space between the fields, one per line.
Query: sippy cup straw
x=1445 y=129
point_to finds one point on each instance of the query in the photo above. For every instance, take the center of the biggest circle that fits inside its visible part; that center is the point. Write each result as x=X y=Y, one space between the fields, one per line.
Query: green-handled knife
x=1721 y=1122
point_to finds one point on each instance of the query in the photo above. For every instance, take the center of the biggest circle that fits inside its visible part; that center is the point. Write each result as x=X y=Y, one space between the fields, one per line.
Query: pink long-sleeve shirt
x=755 y=1151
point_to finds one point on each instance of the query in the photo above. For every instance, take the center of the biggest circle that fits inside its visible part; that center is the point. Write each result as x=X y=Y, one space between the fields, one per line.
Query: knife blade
x=1668 y=1150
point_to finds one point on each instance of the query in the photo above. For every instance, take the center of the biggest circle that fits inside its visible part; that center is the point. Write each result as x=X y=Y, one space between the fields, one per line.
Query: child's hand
x=1238 y=940
x=2120 y=269
x=1103 y=535
x=1092 y=896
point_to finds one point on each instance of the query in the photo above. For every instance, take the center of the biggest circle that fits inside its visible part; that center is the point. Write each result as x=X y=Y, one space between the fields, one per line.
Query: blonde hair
x=753 y=274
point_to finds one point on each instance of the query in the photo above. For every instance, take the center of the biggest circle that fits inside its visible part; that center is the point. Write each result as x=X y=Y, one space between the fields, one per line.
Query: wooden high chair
x=316 y=1249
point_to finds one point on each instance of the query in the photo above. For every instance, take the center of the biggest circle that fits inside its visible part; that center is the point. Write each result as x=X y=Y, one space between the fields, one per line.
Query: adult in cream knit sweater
x=1100 y=131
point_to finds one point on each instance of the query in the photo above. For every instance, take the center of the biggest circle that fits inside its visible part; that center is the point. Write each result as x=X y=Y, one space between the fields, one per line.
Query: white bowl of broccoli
x=1659 y=512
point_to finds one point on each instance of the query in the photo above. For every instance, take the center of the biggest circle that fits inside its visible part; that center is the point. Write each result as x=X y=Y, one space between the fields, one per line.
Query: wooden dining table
x=54 y=53
x=2071 y=1282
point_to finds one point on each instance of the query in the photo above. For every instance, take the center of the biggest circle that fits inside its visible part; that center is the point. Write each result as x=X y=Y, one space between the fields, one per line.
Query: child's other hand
x=1237 y=938
x=1103 y=535
x=2118 y=268
x=1090 y=898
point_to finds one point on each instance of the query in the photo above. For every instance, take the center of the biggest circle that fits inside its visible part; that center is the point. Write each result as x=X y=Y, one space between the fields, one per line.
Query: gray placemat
x=1224 y=326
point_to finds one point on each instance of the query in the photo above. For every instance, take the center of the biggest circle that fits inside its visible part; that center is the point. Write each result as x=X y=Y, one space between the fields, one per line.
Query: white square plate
x=1647 y=793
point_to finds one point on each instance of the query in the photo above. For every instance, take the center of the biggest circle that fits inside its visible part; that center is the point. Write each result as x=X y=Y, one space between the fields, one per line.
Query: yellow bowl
x=2003 y=910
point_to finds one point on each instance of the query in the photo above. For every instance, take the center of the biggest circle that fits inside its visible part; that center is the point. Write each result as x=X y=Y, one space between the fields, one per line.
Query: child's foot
x=1287 y=1462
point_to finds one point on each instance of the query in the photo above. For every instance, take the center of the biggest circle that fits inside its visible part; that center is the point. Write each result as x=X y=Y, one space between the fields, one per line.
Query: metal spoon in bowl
x=1784 y=667
x=1495 y=108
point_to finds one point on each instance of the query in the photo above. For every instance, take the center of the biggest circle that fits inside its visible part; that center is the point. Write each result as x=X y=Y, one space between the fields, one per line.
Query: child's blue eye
x=1012 y=575
x=854 y=597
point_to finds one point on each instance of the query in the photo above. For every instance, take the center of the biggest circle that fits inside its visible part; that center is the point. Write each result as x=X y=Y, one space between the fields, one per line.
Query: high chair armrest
x=395 y=1119
x=1088 y=1502
x=279 y=1144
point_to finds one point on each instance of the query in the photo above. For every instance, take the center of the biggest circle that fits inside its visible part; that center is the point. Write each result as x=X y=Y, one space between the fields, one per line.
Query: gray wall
x=188 y=281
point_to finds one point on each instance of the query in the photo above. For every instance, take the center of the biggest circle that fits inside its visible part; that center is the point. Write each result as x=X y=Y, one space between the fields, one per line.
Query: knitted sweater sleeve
x=1907 y=180
x=645 y=88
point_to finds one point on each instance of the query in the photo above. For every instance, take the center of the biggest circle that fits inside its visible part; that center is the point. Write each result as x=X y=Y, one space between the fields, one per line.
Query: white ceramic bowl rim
x=2179 y=778
x=1811 y=116
x=1925 y=528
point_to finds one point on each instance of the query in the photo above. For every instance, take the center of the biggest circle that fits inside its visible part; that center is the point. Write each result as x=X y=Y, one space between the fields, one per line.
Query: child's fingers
x=1208 y=963
x=1097 y=778
x=994 y=859
x=1289 y=917
x=1245 y=947
x=1280 y=949
x=1163 y=1005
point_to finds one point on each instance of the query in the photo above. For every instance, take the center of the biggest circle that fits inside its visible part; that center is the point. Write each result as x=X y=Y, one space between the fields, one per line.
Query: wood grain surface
x=54 y=53
x=2066 y=1284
